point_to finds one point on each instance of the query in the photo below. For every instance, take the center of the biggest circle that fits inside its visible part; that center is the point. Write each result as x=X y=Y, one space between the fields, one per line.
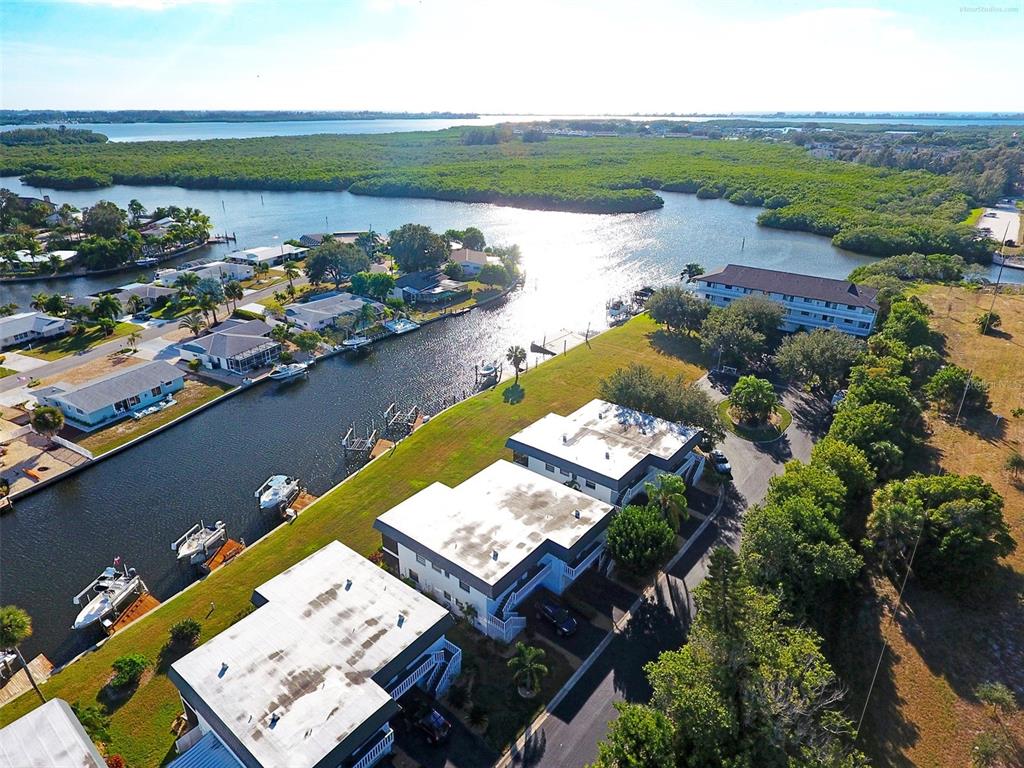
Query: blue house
x=109 y=398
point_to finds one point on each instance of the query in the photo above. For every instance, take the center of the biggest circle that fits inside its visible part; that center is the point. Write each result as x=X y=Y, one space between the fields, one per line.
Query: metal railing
x=453 y=667
x=523 y=591
x=188 y=740
x=380 y=749
x=414 y=677
x=507 y=629
x=572 y=573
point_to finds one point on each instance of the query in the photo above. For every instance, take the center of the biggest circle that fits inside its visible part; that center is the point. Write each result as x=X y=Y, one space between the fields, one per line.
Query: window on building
x=590 y=484
x=155 y=391
x=521 y=458
x=436 y=568
x=421 y=559
x=447 y=596
x=463 y=586
x=851 y=307
x=414 y=576
x=549 y=467
x=563 y=472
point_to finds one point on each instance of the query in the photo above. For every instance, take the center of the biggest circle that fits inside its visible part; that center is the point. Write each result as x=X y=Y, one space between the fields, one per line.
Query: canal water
x=136 y=503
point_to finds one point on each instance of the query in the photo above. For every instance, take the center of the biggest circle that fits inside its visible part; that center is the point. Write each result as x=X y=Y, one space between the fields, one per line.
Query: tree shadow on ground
x=811 y=414
x=681 y=346
x=984 y=424
x=533 y=750
x=513 y=394
x=853 y=644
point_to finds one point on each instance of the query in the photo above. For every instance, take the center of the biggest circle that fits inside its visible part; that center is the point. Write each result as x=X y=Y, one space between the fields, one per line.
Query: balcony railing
x=507 y=629
x=414 y=677
x=522 y=592
x=572 y=573
x=452 y=668
x=378 y=751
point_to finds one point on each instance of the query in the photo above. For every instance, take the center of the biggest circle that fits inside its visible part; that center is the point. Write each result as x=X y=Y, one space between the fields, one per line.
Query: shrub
x=754 y=398
x=115 y=761
x=953 y=385
x=185 y=632
x=986 y=321
x=128 y=669
x=458 y=696
x=193 y=364
x=93 y=721
x=638 y=538
x=477 y=715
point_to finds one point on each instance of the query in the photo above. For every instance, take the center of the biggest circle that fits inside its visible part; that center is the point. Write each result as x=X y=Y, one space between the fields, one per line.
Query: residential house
x=428 y=287
x=473 y=261
x=493 y=539
x=218 y=270
x=237 y=346
x=317 y=238
x=28 y=259
x=50 y=736
x=27 y=327
x=608 y=451
x=336 y=307
x=313 y=676
x=157 y=228
x=149 y=293
x=102 y=401
x=269 y=255
x=810 y=302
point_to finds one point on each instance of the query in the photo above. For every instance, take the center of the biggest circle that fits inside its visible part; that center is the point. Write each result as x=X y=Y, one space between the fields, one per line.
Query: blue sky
x=512 y=56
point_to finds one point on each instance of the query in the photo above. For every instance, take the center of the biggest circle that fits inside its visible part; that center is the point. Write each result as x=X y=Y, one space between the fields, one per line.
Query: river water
x=136 y=503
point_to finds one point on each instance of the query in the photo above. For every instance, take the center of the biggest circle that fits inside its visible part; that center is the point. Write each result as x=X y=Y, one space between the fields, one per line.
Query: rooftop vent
x=348 y=584
x=401 y=619
x=607 y=455
x=565 y=438
x=576 y=514
x=223 y=669
x=494 y=554
x=273 y=719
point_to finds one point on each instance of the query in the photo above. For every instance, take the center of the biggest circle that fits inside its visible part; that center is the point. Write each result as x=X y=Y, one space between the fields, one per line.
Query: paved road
x=102 y=350
x=568 y=738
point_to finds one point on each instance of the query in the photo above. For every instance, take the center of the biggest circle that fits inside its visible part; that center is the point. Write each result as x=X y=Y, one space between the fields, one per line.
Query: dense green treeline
x=872 y=210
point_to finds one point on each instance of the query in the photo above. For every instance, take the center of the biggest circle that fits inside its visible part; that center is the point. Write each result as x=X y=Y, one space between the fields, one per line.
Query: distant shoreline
x=74 y=117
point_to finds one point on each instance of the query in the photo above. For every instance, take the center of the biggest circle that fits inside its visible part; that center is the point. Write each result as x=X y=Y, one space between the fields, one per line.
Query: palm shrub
x=638 y=538
x=528 y=668
x=47 y=420
x=986 y=321
x=185 y=632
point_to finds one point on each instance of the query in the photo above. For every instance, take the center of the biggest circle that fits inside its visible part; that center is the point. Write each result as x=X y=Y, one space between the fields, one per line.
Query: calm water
x=189 y=131
x=135 y=504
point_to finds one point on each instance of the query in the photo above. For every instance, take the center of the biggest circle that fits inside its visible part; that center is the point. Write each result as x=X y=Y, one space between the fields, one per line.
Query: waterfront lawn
x=4 y=372
x=71 y=344
x=450 y=447
x=195 y=394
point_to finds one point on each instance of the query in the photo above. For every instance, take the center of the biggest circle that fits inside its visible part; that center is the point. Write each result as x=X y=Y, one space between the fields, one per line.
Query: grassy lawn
x=70 y=344
x=923 y=710
x=6 y=372
x=194 y=394
x=450 y=447
x=485 y=662
x=782 y=417
x=973 y=216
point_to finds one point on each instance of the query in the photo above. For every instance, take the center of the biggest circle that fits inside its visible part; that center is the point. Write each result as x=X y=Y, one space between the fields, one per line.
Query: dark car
x=434 y=726
x=721 y=463
x=556 y=616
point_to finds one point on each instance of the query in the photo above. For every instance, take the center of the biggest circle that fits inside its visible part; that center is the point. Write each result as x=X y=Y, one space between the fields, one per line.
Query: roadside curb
x=513 y=752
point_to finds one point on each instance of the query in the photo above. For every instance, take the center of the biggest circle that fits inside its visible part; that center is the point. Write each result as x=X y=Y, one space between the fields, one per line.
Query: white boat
x=400 y=325
x=278 y=492
x=150 y=261
x=199 y=540
x=288 y=371
x=488 y=370
x=111 y=590
x=618 y=312
x=355 y=342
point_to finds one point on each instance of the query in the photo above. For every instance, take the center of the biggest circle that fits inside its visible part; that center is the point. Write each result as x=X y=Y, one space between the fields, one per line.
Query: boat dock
x=351 y=443
x=18 y=683
x=381 y=447
x=142 y=605
x=227 y=552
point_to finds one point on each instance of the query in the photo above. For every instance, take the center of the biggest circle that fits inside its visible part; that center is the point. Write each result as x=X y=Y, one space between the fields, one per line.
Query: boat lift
x=402 y=418
x=354 y=444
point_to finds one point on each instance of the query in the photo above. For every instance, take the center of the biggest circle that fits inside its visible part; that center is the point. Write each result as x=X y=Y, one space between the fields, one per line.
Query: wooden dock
x=227 y=552
x=143 y=605
x=417 y=422
x=18 y=683
x=381 y=447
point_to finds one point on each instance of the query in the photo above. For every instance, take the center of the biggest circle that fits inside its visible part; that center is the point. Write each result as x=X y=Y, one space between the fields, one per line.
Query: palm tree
x=208 y=304
x=233 y=291
x=1014 y=464
x=16 y=628
x=39 y=300
x=260 y=270
x=291 y=271
x=516 y=355
x=133 y=340
x=193 y=322
x=47 y=421
x=281 y=332
x=186 y=283
x=367 y=314
x=6 y=310
x=668 y=495
x=107 y=306
x=137 y=210
x=135 y=304
x=527 y=669
x=55 y=263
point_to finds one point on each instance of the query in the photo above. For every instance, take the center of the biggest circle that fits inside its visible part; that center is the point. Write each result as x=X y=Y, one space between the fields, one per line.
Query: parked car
x=434 y=726
x=557 y=616
x=142 y=316
x=838 y=397
x=721 y=463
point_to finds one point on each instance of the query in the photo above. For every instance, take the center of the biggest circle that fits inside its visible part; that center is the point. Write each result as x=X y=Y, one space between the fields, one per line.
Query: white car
x=838 y=397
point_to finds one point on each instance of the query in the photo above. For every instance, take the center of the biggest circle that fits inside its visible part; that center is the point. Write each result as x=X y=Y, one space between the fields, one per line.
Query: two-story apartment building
x=810 y=302
x=109 y=398
x=608 y=451
x=312 y=677
x=493 y=539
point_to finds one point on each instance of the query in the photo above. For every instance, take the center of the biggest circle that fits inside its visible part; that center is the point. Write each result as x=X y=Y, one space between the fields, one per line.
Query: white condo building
x=810 y=302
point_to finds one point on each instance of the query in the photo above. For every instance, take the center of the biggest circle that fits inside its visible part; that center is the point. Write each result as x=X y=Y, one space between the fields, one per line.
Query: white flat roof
x=49 y=736
x=490 y=523
x=606 y=438
x=309 y=655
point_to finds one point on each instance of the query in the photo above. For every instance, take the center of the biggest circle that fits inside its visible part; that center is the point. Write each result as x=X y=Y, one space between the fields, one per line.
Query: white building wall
x=600 y=492
x=445 y=587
